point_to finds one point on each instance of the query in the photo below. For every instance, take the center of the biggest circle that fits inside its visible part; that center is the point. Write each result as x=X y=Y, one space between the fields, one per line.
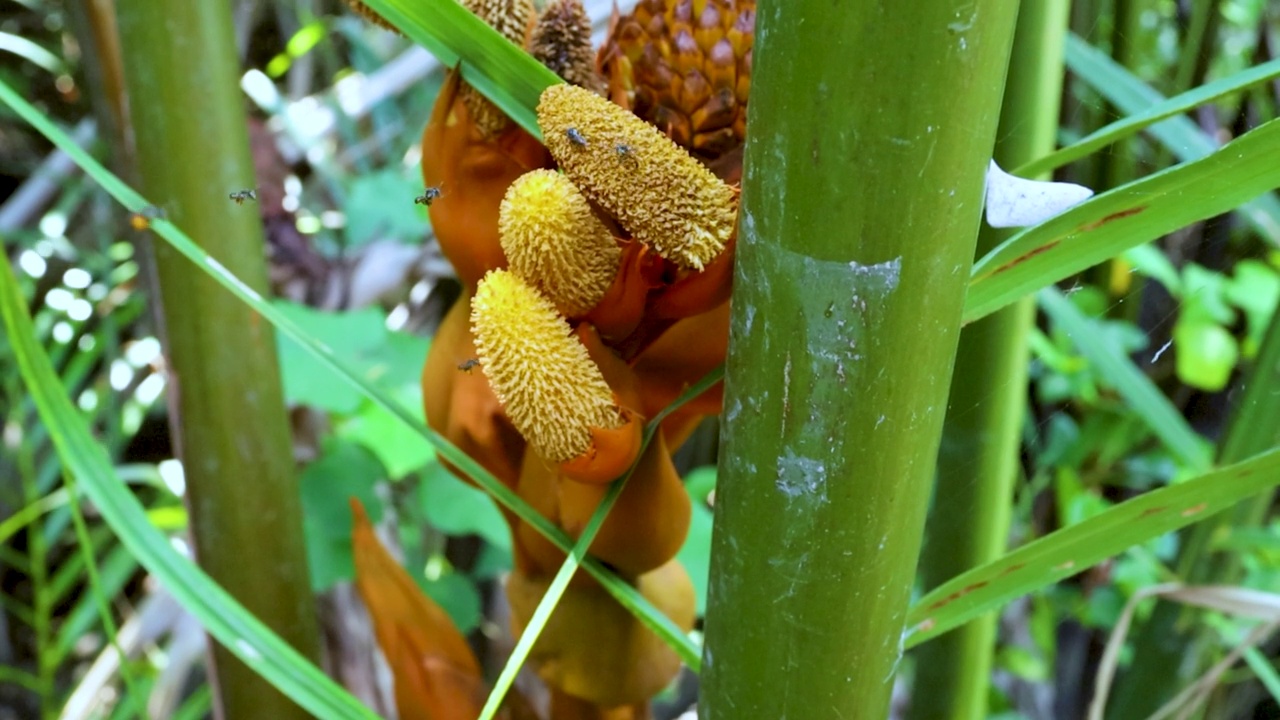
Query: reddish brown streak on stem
x=1152 y=511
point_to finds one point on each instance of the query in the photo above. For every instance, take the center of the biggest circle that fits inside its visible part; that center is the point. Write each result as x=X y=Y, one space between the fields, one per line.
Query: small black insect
x=428 y=196
x=625 y=152
x=467 y=366
x=241 y=195
x=575 y=137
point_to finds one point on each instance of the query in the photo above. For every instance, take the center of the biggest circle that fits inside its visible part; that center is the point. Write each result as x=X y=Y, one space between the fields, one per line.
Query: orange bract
x=474 y=173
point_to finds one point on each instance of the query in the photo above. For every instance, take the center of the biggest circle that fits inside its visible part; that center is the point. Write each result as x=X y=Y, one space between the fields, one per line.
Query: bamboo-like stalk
x=978 y=461
x=870 y=130
x=192 y=145
x=1160 y=664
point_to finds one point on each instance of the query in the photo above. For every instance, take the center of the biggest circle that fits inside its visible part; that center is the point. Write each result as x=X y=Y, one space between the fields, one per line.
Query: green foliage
x=695 y=555
x=379 y=204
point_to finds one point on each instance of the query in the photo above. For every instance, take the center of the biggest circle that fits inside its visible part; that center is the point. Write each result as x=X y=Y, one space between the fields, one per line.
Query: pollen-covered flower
x=656 y=190
x=542 y=375
x=554 y=242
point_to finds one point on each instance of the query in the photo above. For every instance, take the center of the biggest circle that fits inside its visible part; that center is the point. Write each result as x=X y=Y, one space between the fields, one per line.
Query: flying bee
x=575 y=137
x=141 y=220
x=469 y=365
x=241 y=195
x=428 y=196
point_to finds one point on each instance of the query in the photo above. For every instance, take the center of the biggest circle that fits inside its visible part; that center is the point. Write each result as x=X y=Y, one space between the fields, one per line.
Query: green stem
x=871 y=128
x=189 y=126
x=978 y=461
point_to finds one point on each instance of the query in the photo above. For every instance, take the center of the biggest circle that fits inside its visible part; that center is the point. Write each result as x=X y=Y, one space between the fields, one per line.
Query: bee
x=141 y=220
x=241 y=195
x=625 y=152
x=428 y=196
x=467 y=366
x=575 y=137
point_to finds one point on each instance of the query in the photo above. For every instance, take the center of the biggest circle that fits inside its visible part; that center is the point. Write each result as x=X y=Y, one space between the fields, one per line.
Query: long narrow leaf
x=1138 y=120
x=1181 y=136
x=623 y=592
x=1140 y=394
x=86 y=461
x=1125 y=217
x=490 y=63
x=1070 y=550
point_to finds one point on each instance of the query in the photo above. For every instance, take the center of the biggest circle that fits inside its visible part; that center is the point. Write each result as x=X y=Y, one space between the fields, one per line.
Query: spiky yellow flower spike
x=554 y=242
x=542 y=375
x=513 y=19
x=655 y=189
x=562 y=41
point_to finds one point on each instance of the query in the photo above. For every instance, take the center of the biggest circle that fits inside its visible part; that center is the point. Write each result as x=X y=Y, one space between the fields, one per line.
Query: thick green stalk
x=1162 y=647
x=871 y=128
x=192 y=147
x=978 y=461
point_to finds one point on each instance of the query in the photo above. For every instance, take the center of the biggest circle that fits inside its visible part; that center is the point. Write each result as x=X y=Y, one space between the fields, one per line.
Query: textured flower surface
x=554 y=241
x=655 y=189
x=596 y=272
x=550 y=388
x=685 y=67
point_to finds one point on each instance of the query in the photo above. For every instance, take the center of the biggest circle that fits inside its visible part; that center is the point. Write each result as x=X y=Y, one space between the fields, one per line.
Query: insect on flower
x=625 y=152
x=428 y=196
x=469 y=365
x=575 y=136
x=241 y=195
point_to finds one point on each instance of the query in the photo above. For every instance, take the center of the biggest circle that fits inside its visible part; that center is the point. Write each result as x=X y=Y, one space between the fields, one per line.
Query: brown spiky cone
x=562 y=41
x=685 y=67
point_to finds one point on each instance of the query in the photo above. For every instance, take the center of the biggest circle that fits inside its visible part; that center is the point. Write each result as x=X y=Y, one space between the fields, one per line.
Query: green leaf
x=1073 y=549
x=1254 y=287
x=458 y=509
x=623 y=592
x=1137 y=119
x=695 y=554
x=1178 y=134
x=400 y=448
x=490 y=63
x=1110 y=223
x=86 y=461
x=355 y=336
x=380 y=204
x=1138 y=391
x=457 y=594
x=1206 y=354
x=344 y=471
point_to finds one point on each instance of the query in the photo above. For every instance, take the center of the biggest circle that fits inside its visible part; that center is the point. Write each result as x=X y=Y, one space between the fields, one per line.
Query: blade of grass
x=1137 y=121
x=628 y=596
x=560 y=582
x=85 y=460
x=1127 y=216
x=490 y=63
x=1140 y=394
x=1264 y=671
x=1179 y=135
x=1072 y=549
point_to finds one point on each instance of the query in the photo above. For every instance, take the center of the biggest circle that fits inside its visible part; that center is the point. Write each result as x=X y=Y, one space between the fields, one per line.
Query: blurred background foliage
x=335 y=107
